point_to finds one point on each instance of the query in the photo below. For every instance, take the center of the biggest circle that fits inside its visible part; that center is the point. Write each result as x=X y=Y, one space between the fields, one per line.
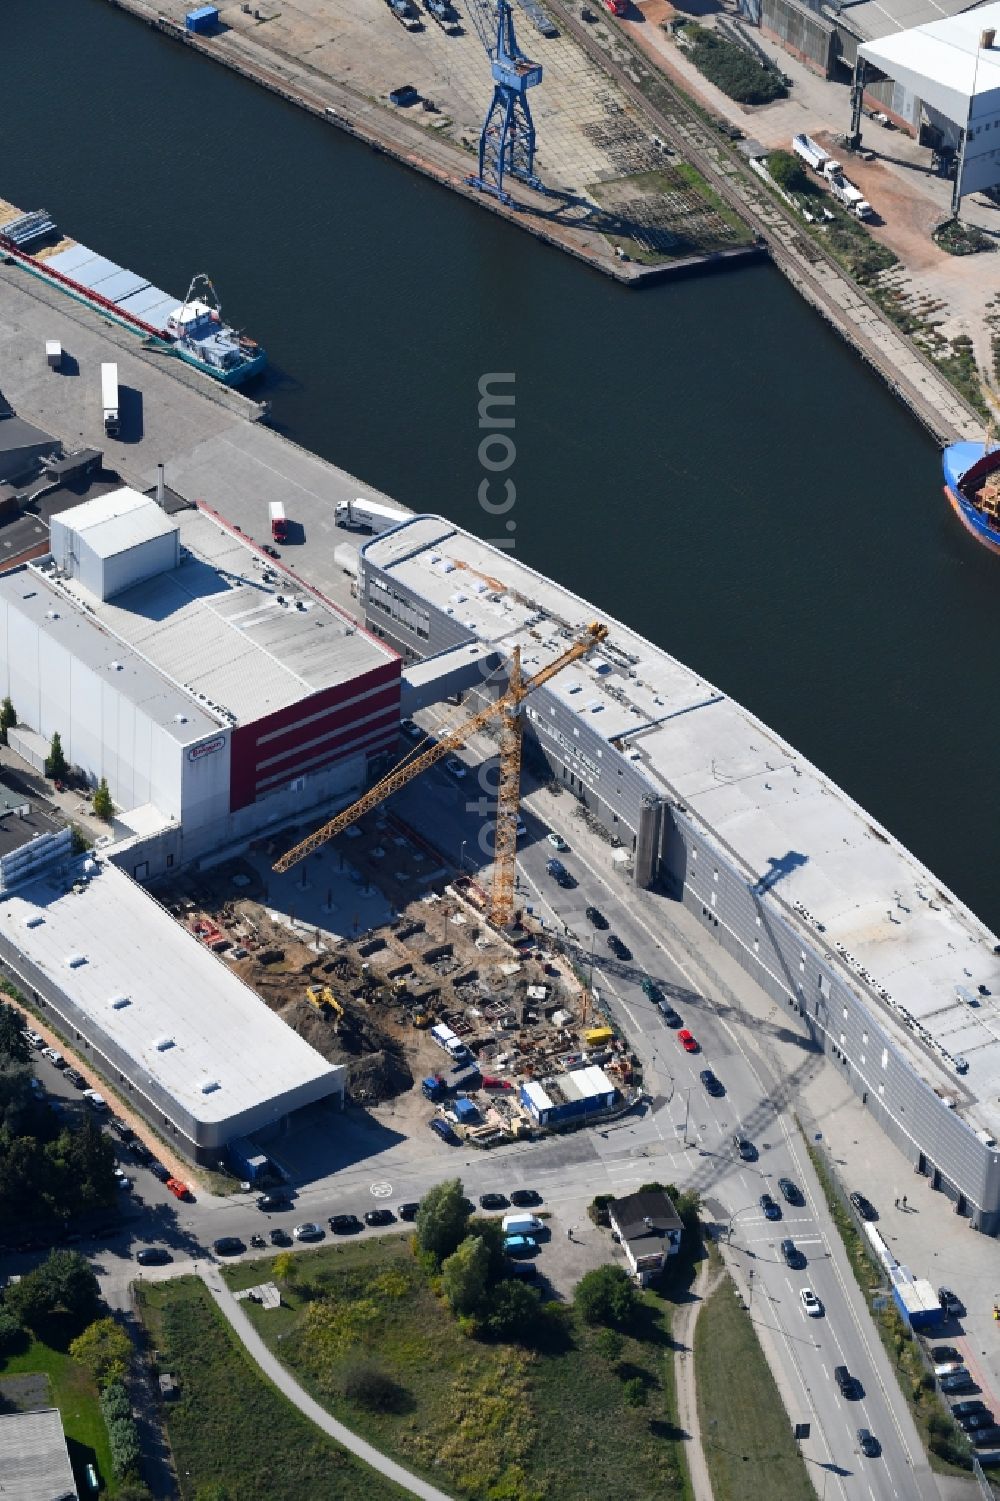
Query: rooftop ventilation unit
x=119 y=1002
x=163 y=1044
x=34 y=921
x=209 y=1086
x=73 y=961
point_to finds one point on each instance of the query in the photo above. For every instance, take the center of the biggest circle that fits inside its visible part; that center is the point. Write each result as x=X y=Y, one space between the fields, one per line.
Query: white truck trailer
x=109 y=399
x=851 y=197
x=806 y=149
x=368 y=515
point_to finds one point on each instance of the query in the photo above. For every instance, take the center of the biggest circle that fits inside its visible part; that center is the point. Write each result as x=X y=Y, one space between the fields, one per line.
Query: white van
x=521 y=1224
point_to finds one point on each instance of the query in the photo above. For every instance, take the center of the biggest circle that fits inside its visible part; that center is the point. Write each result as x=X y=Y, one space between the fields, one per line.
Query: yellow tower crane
x=508 y=706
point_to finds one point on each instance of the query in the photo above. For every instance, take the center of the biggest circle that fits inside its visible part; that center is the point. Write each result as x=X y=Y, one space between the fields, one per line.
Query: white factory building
x=180 y=1036
x=217 y=694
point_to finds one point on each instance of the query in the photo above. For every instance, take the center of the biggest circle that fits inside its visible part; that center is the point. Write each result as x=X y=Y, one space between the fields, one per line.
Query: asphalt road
x=682 y=1135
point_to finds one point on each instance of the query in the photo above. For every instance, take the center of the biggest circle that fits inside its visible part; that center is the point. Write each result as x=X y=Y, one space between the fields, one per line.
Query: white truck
x=109 y=399
x=806 y=149
x=368 y=515
x=451 y=1043
x=851 y=197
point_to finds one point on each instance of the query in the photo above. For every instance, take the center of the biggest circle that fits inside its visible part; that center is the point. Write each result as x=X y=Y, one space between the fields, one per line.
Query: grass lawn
x=230 y=1424
x=480 y=1419
x=73 y=1391
x=751 y=1454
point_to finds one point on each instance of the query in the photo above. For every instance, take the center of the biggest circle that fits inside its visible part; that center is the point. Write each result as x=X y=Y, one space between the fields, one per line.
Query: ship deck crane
x=507 y=139
x=509 y=707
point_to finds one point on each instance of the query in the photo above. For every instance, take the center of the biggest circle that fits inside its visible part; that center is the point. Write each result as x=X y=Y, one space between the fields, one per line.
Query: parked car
x=410 y=728
x=159 y=1171
x=596 y=918
x=523 y=1198
x=951 y=1303
x=524 y=1271
x=941 y=1353
x=790 y=1192
x=958 y=1381
x=519 y=1246
x=272 y=552
x=970 y=1421
x=442 y=1128
x=746 y=1149
x=793 y=1257
x=848 y=1384
x=810 y=1303
x=274 y=1203
x=557 y=842
x=96 y=1101
x=986 y=1438
x=864 y=1206
x=772 y=1210
x=493 y=1201
x=618 y=948
x=72 y=1075
x=868 y=1443
x=345 y=1224
x=971 y=1404
x=153 y=1256
x=56 y=1059
x=711 y=1083
x=228 y=1245
x=456 y=768
x=408 y=1211
x=309 y=1231
x=279 y=1237
x=178 y=1189
x=687 y=1040
x=379 y=1217
x=948 y=1367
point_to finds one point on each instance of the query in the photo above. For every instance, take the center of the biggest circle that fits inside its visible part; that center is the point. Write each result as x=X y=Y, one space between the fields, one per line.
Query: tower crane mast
x=509 y=707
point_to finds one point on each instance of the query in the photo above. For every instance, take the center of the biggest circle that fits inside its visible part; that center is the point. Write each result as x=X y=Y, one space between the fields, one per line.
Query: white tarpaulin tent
x=944 y=64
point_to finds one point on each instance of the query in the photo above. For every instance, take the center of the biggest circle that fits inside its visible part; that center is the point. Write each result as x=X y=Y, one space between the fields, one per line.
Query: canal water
x=704 y=460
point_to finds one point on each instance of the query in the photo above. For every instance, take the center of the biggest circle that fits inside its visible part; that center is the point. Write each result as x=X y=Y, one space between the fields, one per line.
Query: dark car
x=970 y=1421
x=986 y=1438
x=790 y=1192
x=772 y=1211
x=848 y=1384
x=524 y=1197
x=868 y=1443
x=972 y=1404
x=493 y=1201
x=618 y=948
x=524 y=1271
x=379 y=1217
x=279 y=1237
x=273 y=1203
x=559 y=873
x=272 y=552
x=651 y=990
x=72 y=1075
x=864 y=1206
x=345 y=1224
x=668 y=1013
x=444 y=1130
x=159 y=1171
x=711 y=1083
x=140 y=1150
x=596 y=918
x=958 y=1381
x=746 y=1148
x=942 y=1354
x=951 y=1303
x=153 y=1256
x=77 y=1080
x=228 y=1245
x=792 y=1255
x=409 y=1211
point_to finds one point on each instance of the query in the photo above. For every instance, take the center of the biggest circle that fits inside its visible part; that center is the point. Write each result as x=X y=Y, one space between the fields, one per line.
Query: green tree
x=8 y=718
x=11 y=1333
x=788 y=172
x=490 y=1232
x=12 y=1044
x=124 y=1439
x=56 y=765
x=513 y=1310
x=606 y=1295
x=64 y=1283
x=442 y=1219
x=610 y=1344
x=284 y=1267
x=213 y=1490
x=105 y=1350
x=634 y=1392
x=464 y=1274
x=101 y=802
x=87 y=1161
x=115 y=1402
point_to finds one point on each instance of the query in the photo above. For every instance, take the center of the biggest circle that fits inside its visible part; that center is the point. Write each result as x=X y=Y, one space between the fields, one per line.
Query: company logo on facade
x=208 y=748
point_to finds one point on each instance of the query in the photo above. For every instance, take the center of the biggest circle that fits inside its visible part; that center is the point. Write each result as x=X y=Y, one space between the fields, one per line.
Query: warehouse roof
x=230 y=627
x=34 y=1460
x=171 y=1005
x=118 y=520
x=883 y=18
x=918 y=956
x=942 y=62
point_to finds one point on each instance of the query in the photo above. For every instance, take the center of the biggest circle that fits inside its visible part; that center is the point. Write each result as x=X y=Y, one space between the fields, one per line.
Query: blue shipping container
x=206 y=18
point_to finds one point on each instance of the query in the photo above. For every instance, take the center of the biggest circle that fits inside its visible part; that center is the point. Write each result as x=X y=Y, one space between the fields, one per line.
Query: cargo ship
x=972 y=484
x=194 y=329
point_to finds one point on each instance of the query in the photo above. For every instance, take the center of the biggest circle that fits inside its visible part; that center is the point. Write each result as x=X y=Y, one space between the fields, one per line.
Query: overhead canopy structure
x=953 y=65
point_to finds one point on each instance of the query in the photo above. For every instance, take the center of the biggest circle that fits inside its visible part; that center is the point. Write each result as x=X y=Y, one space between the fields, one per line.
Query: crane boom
x=400 y=776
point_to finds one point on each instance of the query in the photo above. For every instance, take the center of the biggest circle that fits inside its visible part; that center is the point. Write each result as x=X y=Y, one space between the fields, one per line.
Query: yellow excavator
x=508 y=707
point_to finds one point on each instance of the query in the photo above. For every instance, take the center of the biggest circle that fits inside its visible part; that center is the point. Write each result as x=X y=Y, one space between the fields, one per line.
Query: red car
x=178 y=1189
x=617 y=7
x=687 y=1041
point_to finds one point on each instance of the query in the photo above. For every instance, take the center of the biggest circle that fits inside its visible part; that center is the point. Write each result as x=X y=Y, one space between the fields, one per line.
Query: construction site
x=379 y=1002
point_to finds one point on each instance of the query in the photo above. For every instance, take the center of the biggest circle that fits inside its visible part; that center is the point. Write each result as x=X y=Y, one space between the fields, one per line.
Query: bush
x=731 y=69
x=512 y=1310
x=606 y=1296
x=598 y=1209
x=124 y=1439
x=12 y=1336
x=102 y=804
x=115 y=1403
x=634 y=1392
x=788 y=172
x=105 y=1350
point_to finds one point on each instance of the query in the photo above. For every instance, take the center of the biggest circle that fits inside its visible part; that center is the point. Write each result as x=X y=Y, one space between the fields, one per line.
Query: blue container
x=206 y=18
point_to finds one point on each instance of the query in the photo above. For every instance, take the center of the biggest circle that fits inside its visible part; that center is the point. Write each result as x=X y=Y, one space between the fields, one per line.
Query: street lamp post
x=734 y=1217
x=461 y=855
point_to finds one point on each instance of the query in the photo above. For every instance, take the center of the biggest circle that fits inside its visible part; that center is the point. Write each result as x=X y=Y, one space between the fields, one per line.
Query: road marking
x=381 y=1190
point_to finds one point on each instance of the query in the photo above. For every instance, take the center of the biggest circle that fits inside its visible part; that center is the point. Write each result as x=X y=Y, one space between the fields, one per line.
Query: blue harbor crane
x=507 y=139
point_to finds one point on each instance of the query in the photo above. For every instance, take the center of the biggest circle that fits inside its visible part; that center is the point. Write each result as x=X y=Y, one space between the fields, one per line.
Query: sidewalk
x=682 y=1331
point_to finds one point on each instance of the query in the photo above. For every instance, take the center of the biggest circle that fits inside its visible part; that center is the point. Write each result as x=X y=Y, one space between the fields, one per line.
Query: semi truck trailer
x=368 y=515
x=109 y=400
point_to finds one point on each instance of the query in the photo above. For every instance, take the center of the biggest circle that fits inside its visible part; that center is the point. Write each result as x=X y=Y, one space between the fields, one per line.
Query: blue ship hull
x=962 y=462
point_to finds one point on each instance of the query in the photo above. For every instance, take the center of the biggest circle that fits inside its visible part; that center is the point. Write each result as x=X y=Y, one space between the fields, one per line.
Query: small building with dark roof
x=649 y=1229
